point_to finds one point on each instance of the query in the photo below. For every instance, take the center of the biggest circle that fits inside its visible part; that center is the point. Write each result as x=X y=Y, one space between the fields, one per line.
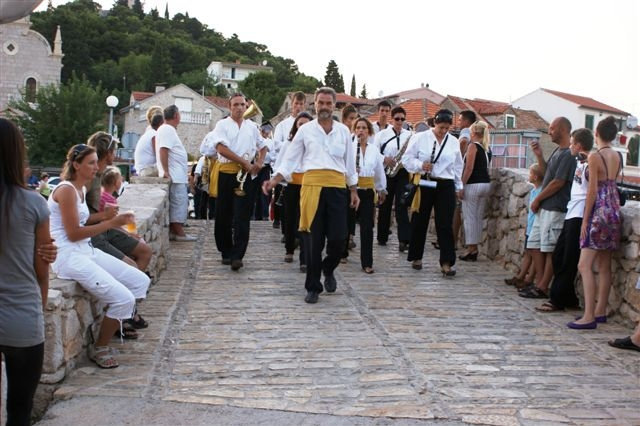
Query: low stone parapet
x=506 y=223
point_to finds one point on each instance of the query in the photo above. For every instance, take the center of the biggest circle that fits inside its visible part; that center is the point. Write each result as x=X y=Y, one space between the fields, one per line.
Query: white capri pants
x=474 y=203
x=110 y=280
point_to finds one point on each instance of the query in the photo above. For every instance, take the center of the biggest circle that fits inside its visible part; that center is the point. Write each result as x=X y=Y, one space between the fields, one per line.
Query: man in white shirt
x=390 y=142
x=384 y=108
x=173 y=163
x=145 y=154
x=261 y=209
x=240 y=148
x=324 y=150
x=280 y=136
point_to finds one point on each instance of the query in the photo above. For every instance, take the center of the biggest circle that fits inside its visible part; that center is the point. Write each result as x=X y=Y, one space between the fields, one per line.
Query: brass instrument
x=391 y=171
x=252 y=111
x=241 y=177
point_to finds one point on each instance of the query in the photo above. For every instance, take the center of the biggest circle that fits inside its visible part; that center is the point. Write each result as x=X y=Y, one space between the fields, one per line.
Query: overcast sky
x=492 y=49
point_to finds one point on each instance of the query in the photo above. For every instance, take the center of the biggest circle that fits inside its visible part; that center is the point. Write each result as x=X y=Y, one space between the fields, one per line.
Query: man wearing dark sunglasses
x=390 y=142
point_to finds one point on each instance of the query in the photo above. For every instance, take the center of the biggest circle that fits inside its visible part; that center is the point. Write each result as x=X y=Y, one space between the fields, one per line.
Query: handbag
x=406 y=197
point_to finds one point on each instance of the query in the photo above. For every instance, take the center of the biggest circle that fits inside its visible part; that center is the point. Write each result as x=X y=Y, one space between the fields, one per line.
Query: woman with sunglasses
x=434 y=158
x=113 y=282
x=371 y=181
x=291 y=194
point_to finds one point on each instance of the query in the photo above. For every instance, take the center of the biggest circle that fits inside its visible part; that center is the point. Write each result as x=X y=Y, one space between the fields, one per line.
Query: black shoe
x=352 y=244
x=402 y=247
x=382 y=243
x=226 y=261
x=303 y=268
x=330 y=283
x=469 y=257
x=236 y=264
x=276 y=224
x=282 y=240
x=311 y=297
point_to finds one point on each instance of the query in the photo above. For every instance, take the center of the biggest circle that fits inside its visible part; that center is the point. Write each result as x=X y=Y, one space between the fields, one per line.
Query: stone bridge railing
x=506 y=223
x=71 y=311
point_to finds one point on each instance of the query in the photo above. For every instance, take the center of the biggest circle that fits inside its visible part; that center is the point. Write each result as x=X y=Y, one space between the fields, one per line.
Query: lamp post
x=112 y=102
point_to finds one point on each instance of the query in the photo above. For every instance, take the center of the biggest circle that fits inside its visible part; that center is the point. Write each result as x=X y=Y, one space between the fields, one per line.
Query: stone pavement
x=396 y=344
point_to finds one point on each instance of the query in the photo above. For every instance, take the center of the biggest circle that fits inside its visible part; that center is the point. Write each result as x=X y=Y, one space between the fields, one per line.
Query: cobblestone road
x=399 y=343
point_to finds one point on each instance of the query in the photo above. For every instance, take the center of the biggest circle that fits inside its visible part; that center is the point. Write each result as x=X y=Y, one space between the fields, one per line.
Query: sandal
x=512 y=281
x=624 y=343
x=138 y=323
x=103 y=356
x=368 y=270
x=128 y=332
x=533 y=293
x=548 y=307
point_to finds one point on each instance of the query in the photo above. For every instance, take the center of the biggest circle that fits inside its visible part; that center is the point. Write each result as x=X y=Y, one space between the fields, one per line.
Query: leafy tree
x=305 y=84
x=160 y=64
x=352 y=91
x=261 y=87
x=363 y=93
x=137 y=8
x=61 y=117
x=333 y=78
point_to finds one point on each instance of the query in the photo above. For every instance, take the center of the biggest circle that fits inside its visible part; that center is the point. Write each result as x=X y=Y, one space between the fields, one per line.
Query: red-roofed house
x=417 y=110
x=580 y=110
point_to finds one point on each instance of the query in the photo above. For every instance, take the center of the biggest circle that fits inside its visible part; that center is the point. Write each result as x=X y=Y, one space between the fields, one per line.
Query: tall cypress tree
x=166 y=11
x=352 y=91
x=363 y=93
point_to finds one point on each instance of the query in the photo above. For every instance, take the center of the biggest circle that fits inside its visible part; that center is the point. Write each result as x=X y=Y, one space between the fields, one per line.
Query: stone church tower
x=27 y=61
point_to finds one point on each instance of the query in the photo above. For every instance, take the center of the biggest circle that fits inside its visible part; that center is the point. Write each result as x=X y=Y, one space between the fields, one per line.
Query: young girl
x=601 y=226
x=113 y=282
x=111 y=182
x=524 y=277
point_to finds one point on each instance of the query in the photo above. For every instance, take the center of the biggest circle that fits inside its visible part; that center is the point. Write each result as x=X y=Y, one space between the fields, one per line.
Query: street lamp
x=112 y=102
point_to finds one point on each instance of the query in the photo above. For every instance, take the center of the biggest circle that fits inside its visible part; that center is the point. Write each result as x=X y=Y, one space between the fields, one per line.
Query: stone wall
x=70 y=310
x=506 y=223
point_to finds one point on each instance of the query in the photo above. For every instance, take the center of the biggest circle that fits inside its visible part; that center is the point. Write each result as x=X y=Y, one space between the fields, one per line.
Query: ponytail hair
x=481 y=128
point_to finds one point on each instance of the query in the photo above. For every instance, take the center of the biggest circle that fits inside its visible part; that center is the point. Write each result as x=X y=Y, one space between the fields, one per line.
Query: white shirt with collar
x=391 y=141
x=448 y=166
x=270 y=157
x=314 y=149
x=167 y=137
x=371 y=164
x=243 y=140
x=285 y=145
x=377 y=129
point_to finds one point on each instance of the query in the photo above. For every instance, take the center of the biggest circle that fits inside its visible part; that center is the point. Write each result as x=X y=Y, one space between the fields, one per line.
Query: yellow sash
x=296 y=178
x=312 y=184
x=415 y=203
x=365 y=183
x=218 y=167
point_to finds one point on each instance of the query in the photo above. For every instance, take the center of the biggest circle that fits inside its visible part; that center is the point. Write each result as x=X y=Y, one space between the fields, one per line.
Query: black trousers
x=330 y=223
x=233 y=214
x=261 y=208
x=277 y=210
x=352 y=216
x=24 y=366
x=565 y=264
x=291 y=220
x=443 y=200
x=395 y=186
x=204 y=205
x=365 y=213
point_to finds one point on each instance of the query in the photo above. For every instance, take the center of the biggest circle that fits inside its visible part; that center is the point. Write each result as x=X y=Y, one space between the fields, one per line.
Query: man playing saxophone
x=237 y=142
x=391 y=142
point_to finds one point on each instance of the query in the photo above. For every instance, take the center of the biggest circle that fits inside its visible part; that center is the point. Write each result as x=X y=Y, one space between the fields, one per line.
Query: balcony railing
x=188 y=117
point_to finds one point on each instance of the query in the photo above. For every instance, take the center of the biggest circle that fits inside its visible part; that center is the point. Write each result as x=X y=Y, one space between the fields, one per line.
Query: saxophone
x=391 y=171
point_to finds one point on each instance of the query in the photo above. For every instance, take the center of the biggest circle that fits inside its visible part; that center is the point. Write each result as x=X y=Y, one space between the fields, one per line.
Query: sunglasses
x=399 y=118
x=78 y=150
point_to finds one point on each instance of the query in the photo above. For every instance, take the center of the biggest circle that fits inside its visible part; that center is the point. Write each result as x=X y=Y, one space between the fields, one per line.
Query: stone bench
x=70 y=310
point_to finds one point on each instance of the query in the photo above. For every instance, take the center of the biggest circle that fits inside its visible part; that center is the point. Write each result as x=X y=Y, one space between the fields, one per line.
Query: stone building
x=27 y=61
x=199 y=114
x=230 y=74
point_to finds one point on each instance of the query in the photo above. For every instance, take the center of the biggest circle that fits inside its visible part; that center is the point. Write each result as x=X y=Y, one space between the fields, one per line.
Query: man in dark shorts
x=115 y=242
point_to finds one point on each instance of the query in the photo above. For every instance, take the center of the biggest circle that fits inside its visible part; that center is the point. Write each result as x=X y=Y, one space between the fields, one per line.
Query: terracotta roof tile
x=527 y=119
x=417 y=110
x=487 y=107
x=141 y=96
x=218 y=101
x=586 y=102
x=344 y=98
